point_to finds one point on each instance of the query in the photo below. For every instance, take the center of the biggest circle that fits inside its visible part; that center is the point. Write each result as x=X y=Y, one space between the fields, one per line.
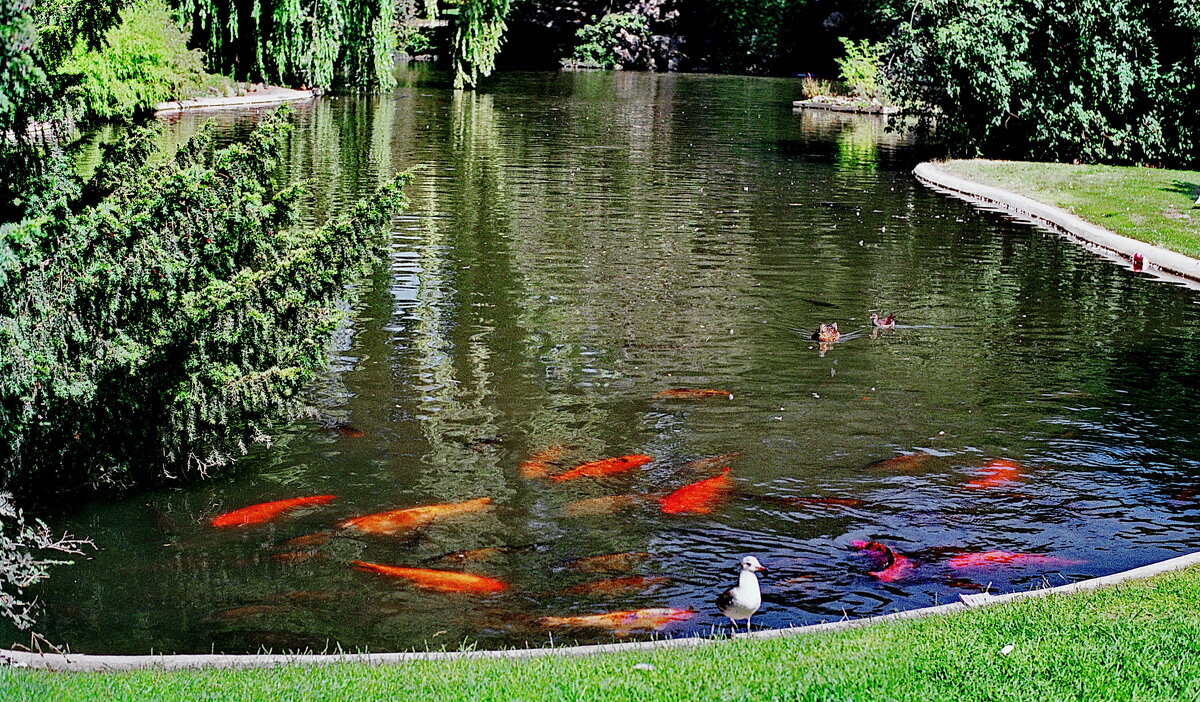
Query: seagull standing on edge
x=743 y=600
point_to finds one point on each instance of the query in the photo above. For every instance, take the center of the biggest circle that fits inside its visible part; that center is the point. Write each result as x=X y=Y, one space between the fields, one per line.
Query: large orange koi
x=439 y=580
x=606 y=562
x=603 y=467
x=623 y=622
x=265 y=512
x=616 y=587
x=700 y=497
x=996 y=473
x=895 y=566
x=540 y=464
x=396 y=520
x=692 y=394
x=987 y=559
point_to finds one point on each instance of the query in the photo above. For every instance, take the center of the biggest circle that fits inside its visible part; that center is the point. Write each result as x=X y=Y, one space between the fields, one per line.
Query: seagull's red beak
x=760 y=567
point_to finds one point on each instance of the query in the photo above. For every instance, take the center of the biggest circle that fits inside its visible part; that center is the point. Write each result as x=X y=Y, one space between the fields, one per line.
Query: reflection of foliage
x=860 y=67
x=1096 y=80
x=858 y=145
x=20 y=565
x=161 y=313
x=145 y=61
x=599 y=42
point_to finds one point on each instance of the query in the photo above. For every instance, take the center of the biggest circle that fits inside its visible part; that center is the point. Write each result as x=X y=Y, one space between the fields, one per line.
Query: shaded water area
x=580 y=242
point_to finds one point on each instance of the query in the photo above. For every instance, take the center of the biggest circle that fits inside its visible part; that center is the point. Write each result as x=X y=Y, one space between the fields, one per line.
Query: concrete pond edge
x=271 y=95
x=1158 y=261
x=87 y=663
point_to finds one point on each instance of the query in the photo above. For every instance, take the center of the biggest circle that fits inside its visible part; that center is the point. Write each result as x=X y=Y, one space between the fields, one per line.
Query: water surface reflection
x=580 y=242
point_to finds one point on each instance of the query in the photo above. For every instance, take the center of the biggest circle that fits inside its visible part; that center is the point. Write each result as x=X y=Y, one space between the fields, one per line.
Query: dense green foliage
x=1098 y=80
x=860 y=67
x=1130 y=642
x=599 y=41
x=752 y=36
x=323 y=43
x=155 y=317
x=145 y=61
x=295 y=42
x=478 y=34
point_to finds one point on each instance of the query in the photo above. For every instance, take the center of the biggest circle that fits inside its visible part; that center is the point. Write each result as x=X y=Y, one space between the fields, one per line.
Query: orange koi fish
x=700 y=497
x=692 y=394
x=711 y=462
x=438 y=580
x=350 y=431
x=603 y=467
x=623 y=622
x=996 y=473
x=396 y=520
x=608 y=504
x=617 y=587
x=539 y=464
x=909 y=461
x=607 y=562
x=265 y=512
x=1003 y=558
x=895 y=567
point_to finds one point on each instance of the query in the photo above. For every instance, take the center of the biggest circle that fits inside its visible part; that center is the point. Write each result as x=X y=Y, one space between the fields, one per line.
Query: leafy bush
x=146 y=61
x=162 y=314
x=860 y=67
x=1113 y=81
x=607 y=42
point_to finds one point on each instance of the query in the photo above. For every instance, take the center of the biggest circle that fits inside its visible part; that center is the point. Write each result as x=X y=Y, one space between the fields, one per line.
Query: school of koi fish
x=704 y=496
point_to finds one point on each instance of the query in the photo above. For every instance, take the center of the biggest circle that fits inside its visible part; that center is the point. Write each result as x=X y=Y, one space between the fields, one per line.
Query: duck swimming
x=827 y=333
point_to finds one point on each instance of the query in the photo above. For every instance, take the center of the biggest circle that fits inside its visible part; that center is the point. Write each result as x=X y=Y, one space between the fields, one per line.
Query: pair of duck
x=828 y=333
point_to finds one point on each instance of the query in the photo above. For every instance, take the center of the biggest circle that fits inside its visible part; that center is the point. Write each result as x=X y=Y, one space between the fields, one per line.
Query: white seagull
x=743 y=600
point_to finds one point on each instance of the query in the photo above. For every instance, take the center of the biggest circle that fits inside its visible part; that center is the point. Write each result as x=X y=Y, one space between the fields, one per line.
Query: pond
x=580 y=242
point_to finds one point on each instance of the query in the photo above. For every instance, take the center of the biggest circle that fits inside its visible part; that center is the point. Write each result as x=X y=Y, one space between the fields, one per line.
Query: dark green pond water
x=580 y=242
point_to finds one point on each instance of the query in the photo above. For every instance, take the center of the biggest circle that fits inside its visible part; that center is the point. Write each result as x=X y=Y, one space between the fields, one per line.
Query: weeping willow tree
x=478 y=34
x=321 y=43
x=317 y=43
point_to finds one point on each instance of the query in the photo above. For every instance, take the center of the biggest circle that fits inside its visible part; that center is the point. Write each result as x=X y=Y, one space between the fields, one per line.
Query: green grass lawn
x=1138 y=641
x=1148 y=204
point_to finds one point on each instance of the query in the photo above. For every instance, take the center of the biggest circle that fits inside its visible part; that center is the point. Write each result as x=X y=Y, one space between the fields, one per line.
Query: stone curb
x=271 y=96
x=1164 y=263
x=83 y=663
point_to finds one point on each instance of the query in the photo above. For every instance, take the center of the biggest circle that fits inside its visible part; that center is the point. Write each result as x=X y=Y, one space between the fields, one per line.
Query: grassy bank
x=1136 y=641
x=1148 y=204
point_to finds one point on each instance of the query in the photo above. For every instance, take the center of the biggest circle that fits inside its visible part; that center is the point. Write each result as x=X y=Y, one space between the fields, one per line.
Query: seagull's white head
x=751 y=564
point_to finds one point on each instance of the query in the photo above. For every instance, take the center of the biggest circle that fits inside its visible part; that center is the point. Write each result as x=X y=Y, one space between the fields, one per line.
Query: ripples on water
x=578 y=242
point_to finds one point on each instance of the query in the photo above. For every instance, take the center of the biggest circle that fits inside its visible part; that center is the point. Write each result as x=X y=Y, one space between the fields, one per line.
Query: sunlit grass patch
x=1135 y=641
x=1153 y=205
